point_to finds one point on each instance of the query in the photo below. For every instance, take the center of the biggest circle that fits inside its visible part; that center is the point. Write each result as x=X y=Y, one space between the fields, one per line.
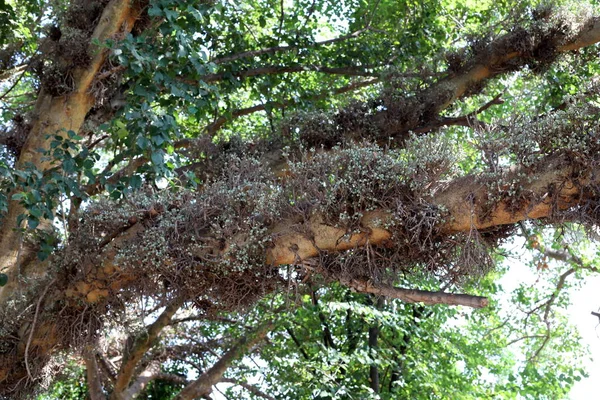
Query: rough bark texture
x=93 y=376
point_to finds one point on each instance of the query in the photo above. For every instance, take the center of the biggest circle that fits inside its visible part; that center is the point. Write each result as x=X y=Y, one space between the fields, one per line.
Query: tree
x=172 y=161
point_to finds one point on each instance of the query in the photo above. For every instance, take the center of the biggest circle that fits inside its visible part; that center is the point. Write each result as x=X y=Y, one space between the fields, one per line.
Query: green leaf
x=33 y=222
x=135 y=182
x=157 y=157
x=3 y=279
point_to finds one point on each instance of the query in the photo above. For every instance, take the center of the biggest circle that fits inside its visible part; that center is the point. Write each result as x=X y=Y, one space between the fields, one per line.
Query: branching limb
x=149 y=374
x=222 y=120
x=33 y=324
x=297 y=343
x=107 y=367
x=327 y=336
x=281 y=69
x=468 y=120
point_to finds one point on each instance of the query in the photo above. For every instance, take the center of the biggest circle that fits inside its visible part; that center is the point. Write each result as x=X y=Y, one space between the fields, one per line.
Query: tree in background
x=180 y=180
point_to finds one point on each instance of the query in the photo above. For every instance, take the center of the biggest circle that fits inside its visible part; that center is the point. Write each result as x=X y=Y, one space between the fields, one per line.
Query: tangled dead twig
x=33 y=323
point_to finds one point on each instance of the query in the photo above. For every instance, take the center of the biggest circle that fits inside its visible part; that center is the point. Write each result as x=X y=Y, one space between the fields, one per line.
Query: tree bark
x=93 y=377
x=373 y=338
x=56 y=116
x=553 y=187
x=550 y=188
x=417 y=296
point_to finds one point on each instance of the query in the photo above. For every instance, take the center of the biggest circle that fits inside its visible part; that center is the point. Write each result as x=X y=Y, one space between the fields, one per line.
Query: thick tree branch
x=57 y=115
x=496 y=65
x=440 y=95
x=149 y=374
x=93 y=376
x=551 y=187
x=106 y=366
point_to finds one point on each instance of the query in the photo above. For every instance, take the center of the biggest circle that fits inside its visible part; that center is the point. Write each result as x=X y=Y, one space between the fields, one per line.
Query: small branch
x=564 y=256
x=281 y=69
x=93 y=189
x=141 y=344
x=327 y=337
x=35 y=317
x=465 y=120
x=203 y=385
x=222 y=120
x=276 y=49
x=132 y=221
x=151 y=373
x=519 y=339
x=106 y=367
x=417 y=296
x=297 y=343
x=251 y=388
x=9 y=73
x=372 y=342
x=15 y=83
x=215 y=126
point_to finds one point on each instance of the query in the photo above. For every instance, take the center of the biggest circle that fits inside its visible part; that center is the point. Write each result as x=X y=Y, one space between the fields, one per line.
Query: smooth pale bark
x=143 y=379
x=252 y=389
x=57 y=115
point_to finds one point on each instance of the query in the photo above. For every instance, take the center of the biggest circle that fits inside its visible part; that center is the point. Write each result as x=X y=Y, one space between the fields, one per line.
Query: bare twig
x=251 y=388
x=35 y=317
x=276 y=49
